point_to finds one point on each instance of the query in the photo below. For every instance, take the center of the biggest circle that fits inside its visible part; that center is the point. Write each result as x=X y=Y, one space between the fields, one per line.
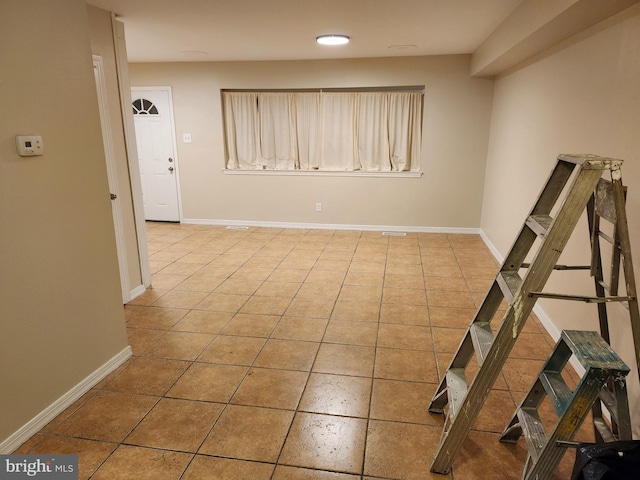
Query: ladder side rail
x=596 y=267
x=465 y=351
x=629 y=277
x=545 y=202
x=541 y=267
x=585 y=394
x=622 y=423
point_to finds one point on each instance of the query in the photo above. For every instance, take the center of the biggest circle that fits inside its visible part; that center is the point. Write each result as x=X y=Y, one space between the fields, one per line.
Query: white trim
x=136 y=292
x=131 y=147
x=107 y=140
x=34 y=425
x=331 y=226
x=322 y=173
x=545 y=319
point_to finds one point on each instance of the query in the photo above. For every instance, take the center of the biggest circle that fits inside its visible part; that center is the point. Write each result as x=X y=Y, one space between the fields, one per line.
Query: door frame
x=122 y=73
x=112 y=176
x=174 y=141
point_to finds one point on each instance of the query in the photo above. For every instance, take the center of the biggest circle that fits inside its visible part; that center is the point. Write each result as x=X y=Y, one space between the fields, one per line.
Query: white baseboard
x=34 y=425
x=136 y=292
x=331 y=226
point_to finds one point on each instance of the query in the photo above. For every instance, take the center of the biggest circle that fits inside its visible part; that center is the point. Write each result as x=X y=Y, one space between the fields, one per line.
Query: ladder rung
x=509 y=283
x=539 y=224
x=580 y=298
x=606 y=237
x=482 y=338
x=533 y=431
x=456 y=390
x=564 y=267
x=603 y=430
x=557 y=390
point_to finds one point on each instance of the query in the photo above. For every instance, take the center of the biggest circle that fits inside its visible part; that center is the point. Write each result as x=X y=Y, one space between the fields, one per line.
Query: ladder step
x=482 y=338
x=539 y=224
x=509 y=283
x=592 y=351
x=456 y=390
x=533 y=431
x=609 y=400
x=603 y=430
x=557 y=390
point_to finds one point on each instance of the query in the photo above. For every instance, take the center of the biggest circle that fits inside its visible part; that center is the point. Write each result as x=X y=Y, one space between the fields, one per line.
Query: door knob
x=171 y=169
x=171 y=159
x=113 y=196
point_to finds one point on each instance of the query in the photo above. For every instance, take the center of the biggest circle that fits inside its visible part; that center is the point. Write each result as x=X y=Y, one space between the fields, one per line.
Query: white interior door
x=98 y=71
x=155 y=137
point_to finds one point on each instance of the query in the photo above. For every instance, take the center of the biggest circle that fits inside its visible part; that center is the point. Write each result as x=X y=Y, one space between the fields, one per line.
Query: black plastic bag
x=607 y=461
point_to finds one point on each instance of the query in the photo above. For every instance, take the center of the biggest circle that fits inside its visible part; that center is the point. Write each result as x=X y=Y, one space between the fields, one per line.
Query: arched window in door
x=142 y=106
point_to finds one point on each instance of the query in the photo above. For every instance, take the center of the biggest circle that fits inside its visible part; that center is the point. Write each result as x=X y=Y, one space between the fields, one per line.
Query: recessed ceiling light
x=332 y=39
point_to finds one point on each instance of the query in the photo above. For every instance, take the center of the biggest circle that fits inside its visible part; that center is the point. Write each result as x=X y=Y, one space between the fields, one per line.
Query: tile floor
x=296 y=354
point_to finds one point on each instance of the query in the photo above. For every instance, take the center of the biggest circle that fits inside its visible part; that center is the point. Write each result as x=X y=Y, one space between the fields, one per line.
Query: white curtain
x=277 y=131
x=308 y=130
x=339 y=147
x=241 y=122
x=405 y=113
x=373 y=132
x=368 y=131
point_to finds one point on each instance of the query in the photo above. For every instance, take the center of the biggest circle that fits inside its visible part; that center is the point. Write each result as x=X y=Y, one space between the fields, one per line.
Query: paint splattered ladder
x=575 y=183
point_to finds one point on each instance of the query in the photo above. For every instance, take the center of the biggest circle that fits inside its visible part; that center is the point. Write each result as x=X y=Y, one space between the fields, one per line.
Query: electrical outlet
x=318 y=207
x=186 y=138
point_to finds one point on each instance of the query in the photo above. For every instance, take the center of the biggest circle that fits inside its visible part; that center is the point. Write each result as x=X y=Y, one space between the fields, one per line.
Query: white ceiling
x=222 y=30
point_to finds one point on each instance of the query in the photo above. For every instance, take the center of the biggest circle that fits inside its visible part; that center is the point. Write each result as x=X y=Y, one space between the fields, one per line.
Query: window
x=142 y=106
x=367 y=131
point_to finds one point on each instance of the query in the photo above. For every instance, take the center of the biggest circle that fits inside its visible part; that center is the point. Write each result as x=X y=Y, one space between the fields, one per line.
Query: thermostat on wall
x=29 y=145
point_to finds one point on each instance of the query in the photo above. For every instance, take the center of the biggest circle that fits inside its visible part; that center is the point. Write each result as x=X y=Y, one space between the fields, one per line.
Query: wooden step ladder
x=568 y=190
x=602 y=366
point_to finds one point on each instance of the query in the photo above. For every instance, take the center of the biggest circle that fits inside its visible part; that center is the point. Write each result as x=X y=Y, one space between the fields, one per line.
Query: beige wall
x=455 y=131
x=61 y=314
x=102 y=45
x=582 y=97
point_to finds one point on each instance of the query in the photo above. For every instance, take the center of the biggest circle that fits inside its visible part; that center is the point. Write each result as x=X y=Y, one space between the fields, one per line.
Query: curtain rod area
x=405 y=88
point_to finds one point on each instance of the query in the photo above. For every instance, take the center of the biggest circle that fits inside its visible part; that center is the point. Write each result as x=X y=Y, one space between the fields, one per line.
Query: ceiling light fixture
x=332 y=39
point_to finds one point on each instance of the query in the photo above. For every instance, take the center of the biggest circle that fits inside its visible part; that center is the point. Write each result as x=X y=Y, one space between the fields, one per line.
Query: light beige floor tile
x=345 y=359
x=325 y=442
x=401 y=401
x=176 y=424
x=250 y=325
x=214 y=468
x=287 y=354
x=143 y=463
x=401 y=450
x=150 y=376
x=337 y=395
x=248 y=433
x=208 y=382
x=264 y=387
x=107 y=416
x=300 y=328
x=351 y=333
x=232 y=350
x=414 y=337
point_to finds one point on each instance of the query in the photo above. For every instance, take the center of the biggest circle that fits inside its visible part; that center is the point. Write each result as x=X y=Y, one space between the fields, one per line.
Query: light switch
x=29 y=145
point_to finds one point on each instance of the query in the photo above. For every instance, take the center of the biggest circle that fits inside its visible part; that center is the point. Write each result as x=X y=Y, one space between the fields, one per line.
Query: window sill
x=322 y=173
